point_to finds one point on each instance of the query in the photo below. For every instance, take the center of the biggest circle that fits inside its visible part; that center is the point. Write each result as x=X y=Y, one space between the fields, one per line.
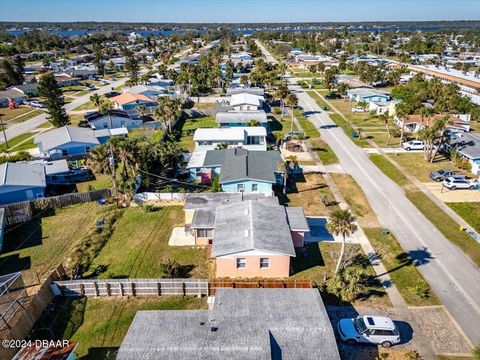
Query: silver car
x=369 y=329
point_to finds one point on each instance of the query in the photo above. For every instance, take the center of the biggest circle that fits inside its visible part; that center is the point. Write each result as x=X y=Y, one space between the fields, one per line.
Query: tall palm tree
x=168 y=110
x=401 y=113
x=386 y=120
x=291 y=101
x=342 y=222
x=281 y=93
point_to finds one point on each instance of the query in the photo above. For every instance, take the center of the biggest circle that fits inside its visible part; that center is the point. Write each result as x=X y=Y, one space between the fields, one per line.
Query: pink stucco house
x=250 y=235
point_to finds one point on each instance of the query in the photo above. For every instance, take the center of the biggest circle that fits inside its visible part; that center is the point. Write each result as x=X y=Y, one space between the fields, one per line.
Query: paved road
x=268 y=56
x=450 y=273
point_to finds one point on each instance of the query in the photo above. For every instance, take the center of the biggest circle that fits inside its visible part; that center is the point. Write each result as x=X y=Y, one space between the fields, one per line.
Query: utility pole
x=4 y=133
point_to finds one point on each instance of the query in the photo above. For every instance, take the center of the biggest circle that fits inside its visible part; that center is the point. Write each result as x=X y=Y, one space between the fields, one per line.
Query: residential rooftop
x=243 y=324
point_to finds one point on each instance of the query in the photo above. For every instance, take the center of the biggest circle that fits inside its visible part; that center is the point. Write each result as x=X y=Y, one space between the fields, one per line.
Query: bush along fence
x=159 y=287
x=23 y=211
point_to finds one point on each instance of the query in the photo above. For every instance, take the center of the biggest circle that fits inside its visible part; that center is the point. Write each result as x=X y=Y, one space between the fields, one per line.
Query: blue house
x=21 y=182
x=70 y=140
x=241 y=118
x=367 y=95
x=2 y=226
x=239 y=170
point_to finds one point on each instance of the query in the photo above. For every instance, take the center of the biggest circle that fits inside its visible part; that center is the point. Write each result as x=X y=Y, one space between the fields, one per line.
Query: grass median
x=444 y=223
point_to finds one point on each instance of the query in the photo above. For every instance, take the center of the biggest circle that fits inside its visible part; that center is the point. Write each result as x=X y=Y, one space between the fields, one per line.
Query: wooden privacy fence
x=132 y=287
x=252 y=284
x=22 y=211
x=159 y=287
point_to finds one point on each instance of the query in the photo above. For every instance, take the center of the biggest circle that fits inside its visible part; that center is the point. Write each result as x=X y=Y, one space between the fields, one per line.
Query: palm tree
x=95 y=99
x=342 y=222
x=168 y=110
x=106 y=107
x=401 y=113
x=386 y=120
x=291 y=101
x=281 y=93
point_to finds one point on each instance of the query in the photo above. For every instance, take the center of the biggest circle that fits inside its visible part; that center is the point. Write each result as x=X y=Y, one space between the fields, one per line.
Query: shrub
x=348 y=284
x=422 y=291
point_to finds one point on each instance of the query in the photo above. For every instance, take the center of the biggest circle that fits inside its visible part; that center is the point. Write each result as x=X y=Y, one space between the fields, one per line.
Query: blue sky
x=237 y=11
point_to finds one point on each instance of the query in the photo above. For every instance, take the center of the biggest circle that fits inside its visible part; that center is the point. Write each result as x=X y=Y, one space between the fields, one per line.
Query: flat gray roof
x=241 y=117
x=252 y=225
x=468 y=145
x=203 y=219
x=22 y=174
x=243 y=324
x=296 y=219
x=212 y=200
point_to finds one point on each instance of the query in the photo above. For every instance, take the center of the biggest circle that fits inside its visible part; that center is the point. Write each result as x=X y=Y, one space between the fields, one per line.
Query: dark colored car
x=112 y=94
x=333 y=96
x=442 y=174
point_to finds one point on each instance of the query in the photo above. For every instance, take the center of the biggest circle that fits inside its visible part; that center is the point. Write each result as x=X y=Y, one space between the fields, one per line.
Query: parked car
x=442 y=174
x=333 y=96
x=358 y=109
x=369 y=329
x=37 y=104
x=454 y=183
x=413 y=145
x=112 y=94
x=292 y=134
x=90 y=87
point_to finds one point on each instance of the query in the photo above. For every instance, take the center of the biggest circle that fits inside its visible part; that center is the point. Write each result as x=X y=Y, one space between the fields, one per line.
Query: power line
x=173 y=180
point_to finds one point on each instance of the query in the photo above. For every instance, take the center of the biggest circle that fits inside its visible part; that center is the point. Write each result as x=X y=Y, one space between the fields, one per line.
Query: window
x=198 y=171
x=105 y=125
x=241 y=263
x=383 y=332
x=254 y=187
x=240 y=187
x=87 y=149
x=205 y=233
x=264 y=263
x=64 y=152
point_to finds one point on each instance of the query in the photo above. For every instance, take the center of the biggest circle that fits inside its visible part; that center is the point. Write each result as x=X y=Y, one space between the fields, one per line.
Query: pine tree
x=53 y=98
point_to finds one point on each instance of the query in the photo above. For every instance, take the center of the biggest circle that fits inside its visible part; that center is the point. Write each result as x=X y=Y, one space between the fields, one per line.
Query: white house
x=382 y=107
x=151 y=91
x=246 y=101
x=250 y=138
x=367 y=95
x=114 y=119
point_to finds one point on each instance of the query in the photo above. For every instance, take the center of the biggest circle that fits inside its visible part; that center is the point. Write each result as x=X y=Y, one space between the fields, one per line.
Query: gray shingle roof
x=296 y=219
x=61 y=136
x=250 y=324
x=243 y=164
x=22 y=174
x=241 y=117
x=251 y=225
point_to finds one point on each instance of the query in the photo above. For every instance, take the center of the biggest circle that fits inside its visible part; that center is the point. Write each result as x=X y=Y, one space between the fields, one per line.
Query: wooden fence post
x=108 y=289
x=184 y=288
x=82 y=289
x=121 y=288
x=132 y=286
x=159 y=289
x=95 y=285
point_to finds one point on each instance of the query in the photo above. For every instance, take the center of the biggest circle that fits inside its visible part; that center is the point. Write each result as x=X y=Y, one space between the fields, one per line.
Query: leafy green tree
x=342 y=222
x=48 y=89
x=133 y=68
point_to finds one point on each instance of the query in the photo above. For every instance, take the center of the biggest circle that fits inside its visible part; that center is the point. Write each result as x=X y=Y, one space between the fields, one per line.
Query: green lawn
x=444 y=223
x=307 y=126
x=45 y=241
x=416 y=165
x=100 y=182
x=69 y=90
x=100 y=324
x=349 y=130
x=89 y=105
x=402 y=271
x=317 y=263
x=324 y=152
x=17 y=140
x=281 y=124
x=139 y=244
x=187 y=127
x=470 y=211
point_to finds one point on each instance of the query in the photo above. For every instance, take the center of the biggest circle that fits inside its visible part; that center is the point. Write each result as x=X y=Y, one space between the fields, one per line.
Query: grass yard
x=44 y=242
x=139 y=244
x=318 y=99
x=403 y=273
x=470 y=211
x=155 y=135
x=307 y=126
x=416 y=165
x=317 y=263
x=349 y=130
x=100 y=182
x=205 y=106
x=12 y=143
x=100 y=324
x=306 y=191
x=188 y=127
x=70 y=90
x=324 y=152
x=75 y=119
x=89 y=105
x=444 y=223
x=7 y=114
x=281 y=124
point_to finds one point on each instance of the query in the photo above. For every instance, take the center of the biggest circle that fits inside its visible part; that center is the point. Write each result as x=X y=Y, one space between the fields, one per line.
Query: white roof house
x=251 y=138
x=246 y=101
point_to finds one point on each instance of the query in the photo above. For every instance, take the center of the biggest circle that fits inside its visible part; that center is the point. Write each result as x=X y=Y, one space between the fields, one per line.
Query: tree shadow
x=274 y=124
x=418 y=257
x=104 y=353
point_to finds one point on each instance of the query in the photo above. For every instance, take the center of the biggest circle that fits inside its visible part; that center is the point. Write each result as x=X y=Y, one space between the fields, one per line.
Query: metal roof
x=243 y=324
x=212 y=200
x=203 y=219
x=219 y=134
x=241 y=117
x=468 y=145
x=22 y=174
x=251 y=225
x=54 y=138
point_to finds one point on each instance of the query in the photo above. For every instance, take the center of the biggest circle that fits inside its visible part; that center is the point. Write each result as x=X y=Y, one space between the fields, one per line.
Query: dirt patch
x=447 y=195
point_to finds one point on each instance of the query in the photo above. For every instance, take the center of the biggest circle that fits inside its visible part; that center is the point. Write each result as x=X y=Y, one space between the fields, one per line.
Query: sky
x=235 y=11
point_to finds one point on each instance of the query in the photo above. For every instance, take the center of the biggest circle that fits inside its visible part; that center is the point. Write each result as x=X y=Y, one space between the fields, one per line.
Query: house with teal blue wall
x=238 y=169
x=21 y=182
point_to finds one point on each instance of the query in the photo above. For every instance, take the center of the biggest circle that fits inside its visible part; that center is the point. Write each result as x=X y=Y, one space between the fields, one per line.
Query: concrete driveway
x=447 y=195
